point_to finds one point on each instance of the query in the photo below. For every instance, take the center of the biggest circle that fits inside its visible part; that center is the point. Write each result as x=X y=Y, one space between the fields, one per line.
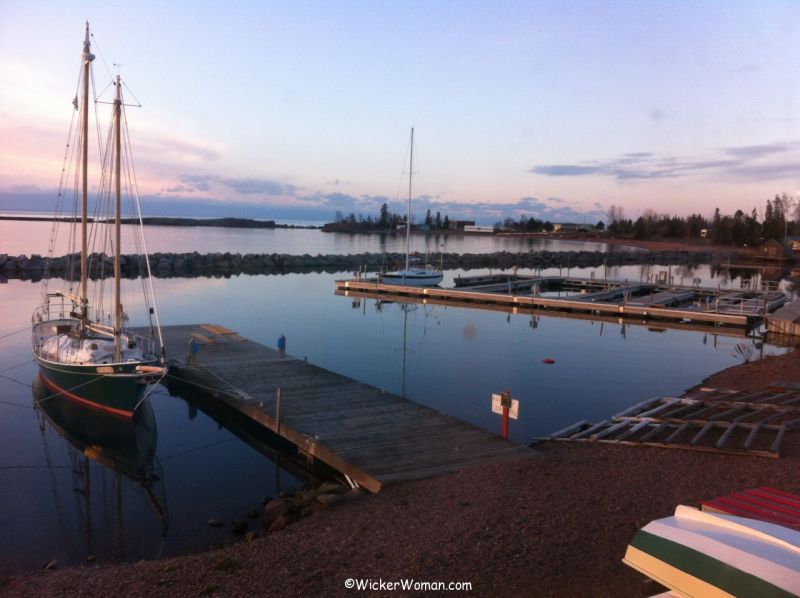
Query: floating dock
x=786 y=320
x=371 y=436
x=685 y=307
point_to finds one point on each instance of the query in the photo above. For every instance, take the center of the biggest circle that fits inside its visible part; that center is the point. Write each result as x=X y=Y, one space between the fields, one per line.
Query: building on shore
x=485 y=230
x=460 y=224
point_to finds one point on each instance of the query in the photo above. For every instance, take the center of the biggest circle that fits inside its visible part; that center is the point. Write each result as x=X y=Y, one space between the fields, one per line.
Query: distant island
x=164 y=221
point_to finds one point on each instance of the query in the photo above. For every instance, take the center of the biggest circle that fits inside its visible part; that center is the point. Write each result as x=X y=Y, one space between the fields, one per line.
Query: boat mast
x=408 y=218
x=87 y=60
x=117 y=227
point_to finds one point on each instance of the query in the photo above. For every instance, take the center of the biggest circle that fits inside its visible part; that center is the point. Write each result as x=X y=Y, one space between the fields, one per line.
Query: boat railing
x=51 y=310
x=63 y=309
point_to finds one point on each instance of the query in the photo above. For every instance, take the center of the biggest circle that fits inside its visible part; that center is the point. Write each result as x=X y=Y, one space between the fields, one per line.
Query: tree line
x=779 y=220
x=525 y=224
x=387 y=220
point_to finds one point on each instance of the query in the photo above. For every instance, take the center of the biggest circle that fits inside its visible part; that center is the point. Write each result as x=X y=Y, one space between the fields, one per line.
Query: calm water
x=28 y=237
x=61 y=502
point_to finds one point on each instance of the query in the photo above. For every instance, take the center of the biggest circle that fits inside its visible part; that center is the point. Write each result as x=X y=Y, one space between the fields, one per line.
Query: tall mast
x=87 y=60
x=408 y=218
x=117 y=227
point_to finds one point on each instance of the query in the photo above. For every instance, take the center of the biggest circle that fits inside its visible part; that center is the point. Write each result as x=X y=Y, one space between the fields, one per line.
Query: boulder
x=329 y=500
x=277 y=525
x=330 y=488
x=276 y=509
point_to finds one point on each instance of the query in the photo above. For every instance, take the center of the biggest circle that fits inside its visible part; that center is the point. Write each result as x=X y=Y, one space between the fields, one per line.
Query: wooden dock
x=373 y=437
x=641 y=310
x=786 y=320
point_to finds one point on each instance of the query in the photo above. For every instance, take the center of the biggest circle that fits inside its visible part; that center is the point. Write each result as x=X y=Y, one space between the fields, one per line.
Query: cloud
x=566 y=170
x=262 y=186
x=746 y=68
x=559 y=200
x=174 y=149
x=191 y=183
x=752 y=162
x=760 y=151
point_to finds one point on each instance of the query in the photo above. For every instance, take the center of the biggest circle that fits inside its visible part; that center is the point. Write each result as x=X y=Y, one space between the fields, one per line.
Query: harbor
x=493 y=301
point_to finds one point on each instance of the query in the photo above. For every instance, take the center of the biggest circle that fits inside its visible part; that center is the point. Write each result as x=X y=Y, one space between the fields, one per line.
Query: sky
x=554 y=110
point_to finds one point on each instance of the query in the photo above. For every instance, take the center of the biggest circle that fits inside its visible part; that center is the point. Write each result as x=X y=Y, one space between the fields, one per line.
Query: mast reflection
x=125 y=448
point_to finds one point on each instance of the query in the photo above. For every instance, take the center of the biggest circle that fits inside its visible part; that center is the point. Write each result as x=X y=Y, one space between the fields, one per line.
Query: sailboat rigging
x=84 y=352
x=413 y=277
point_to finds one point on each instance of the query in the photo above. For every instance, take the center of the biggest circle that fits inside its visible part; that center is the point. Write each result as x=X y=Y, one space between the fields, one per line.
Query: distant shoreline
x=168 y=221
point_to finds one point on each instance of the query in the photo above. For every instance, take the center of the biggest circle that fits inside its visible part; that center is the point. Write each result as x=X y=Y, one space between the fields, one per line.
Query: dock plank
x=373 y=436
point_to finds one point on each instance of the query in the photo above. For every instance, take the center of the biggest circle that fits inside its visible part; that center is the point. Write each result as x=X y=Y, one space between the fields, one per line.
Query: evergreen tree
x=383 y=220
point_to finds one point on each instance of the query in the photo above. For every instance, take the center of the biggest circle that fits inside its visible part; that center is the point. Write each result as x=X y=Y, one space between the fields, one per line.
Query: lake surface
x=62 y=501
x=29 y=237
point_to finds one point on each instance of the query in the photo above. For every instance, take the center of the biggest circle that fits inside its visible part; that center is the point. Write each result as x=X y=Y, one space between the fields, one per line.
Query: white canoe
x=704 y=554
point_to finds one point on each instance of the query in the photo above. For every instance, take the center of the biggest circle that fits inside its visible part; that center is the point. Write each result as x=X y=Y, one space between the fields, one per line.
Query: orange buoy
x=548 y=360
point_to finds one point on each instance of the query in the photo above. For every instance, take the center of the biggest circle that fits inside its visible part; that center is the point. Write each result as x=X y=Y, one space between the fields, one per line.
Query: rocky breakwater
x=167 y=265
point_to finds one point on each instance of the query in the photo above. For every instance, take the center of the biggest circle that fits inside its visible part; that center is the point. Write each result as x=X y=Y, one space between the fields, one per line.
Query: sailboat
x=412 y=277
x=84 y=350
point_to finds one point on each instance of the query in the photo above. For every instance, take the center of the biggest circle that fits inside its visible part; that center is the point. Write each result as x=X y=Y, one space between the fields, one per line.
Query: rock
x=278 y=508
x=215 y=523
x=90 y=559
x=51 y=565
x=277 y=525
x=330 y=488
x=329 y=500
x=239 y=526
x=304 y=497
x=252 y=514
x=266 y=499
x=250 y=536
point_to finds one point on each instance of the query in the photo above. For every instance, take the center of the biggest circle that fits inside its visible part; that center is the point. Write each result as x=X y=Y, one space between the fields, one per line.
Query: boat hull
x=118 y=393
x=413 y=279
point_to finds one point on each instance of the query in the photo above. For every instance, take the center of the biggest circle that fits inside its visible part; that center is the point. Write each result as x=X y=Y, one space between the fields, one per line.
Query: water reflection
x=302 y=469
x=125 y=449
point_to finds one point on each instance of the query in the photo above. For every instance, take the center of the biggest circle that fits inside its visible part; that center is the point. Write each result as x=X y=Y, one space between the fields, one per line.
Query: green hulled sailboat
x=83 y=348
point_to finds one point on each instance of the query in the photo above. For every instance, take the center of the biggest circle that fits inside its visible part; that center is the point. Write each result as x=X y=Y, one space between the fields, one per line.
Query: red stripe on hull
x=121 y=413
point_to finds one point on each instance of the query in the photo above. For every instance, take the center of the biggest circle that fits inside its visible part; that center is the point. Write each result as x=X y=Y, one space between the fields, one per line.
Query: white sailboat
x=412 y=277
x=83 y=349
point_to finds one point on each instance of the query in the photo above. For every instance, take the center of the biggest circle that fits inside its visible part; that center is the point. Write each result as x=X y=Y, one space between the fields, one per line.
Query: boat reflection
x=303 y=469
x=126 y=448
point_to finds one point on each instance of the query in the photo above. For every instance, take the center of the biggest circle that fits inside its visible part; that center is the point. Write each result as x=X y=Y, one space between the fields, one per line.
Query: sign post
x=502 y=404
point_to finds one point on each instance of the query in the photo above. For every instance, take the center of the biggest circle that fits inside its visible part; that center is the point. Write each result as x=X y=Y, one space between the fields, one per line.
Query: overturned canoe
x=703 y=554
